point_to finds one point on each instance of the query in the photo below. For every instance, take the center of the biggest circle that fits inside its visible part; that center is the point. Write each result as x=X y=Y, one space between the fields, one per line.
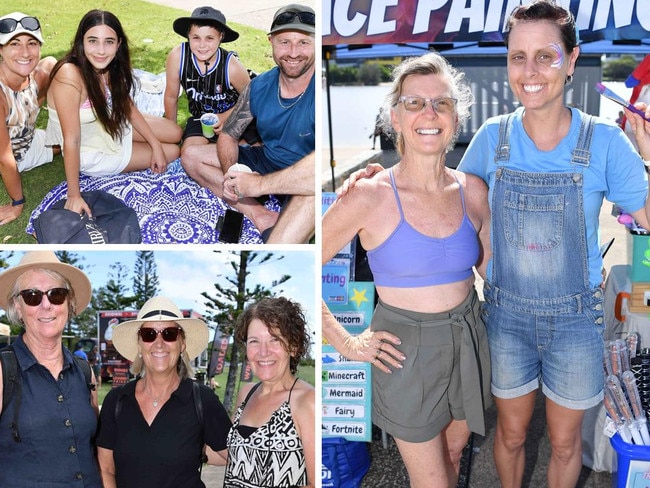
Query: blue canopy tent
x=471 y=39
x=484 y=66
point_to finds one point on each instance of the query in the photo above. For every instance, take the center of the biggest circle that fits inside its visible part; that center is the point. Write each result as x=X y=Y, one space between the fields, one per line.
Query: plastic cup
x=242 y=168
x=207 y=122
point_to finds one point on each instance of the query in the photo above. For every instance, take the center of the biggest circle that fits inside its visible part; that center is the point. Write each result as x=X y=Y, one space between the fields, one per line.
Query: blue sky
x=184 y=274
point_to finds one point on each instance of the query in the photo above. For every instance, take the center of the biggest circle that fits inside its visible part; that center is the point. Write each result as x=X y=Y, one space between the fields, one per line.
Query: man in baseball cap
x=281 y=101
x=294 y=17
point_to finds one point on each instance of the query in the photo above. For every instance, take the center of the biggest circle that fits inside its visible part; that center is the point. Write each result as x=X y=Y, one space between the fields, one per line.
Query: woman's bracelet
x=15 y=203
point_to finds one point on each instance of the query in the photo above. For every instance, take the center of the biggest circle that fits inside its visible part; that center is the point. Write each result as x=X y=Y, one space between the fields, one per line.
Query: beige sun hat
x=46 y=260
x=160 y=309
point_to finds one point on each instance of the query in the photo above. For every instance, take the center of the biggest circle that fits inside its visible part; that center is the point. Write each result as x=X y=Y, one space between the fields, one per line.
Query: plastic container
x=207 y=122
x=632 y=466
x=638 y=245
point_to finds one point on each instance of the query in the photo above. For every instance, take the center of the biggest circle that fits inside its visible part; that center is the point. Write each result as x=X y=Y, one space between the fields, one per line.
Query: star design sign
x=358 y=296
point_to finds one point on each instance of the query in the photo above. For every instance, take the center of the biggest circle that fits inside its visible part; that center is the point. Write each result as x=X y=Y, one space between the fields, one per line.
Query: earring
x=139 y=354
x=568 y=80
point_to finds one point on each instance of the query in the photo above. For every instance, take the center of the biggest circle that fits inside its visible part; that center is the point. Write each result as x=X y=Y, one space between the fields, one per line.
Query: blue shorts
x=255 y=159
x=558 y=343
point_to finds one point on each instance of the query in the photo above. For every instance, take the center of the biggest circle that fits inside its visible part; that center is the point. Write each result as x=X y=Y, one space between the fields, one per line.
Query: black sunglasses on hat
x=7 y=26
x=288 y=18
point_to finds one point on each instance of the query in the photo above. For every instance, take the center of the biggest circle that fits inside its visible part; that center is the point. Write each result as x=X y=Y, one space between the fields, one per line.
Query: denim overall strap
x=539 y=229
x=502 y=152
x=581 y=154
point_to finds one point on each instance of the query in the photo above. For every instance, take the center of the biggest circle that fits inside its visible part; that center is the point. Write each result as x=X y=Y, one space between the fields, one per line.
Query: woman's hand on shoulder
x=368 y=172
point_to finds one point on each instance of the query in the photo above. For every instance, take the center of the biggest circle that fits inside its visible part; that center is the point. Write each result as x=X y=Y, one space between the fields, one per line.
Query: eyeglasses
x=442 y=105
x=288 y=18
x=9 y=25
x=149 y=334
x=34 y=297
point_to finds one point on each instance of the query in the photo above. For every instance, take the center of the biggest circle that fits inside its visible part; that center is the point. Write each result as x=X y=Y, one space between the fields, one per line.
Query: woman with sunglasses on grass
x=424 y=226
x=92 y=115
x=48 y=426
x=150 y=433
x=24 y=78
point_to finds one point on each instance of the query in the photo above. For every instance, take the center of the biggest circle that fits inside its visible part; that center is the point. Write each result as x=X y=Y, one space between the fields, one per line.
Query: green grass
x=149 y=30
x=306 y=373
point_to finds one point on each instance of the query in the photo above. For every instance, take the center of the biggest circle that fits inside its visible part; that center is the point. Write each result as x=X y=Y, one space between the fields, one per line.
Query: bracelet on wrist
x=15 y=203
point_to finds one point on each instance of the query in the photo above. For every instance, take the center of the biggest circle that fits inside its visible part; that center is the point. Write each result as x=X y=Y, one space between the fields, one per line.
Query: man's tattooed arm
x=240 y=116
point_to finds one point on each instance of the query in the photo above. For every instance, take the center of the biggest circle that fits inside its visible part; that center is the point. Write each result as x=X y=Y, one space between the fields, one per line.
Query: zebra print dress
x=267 y=456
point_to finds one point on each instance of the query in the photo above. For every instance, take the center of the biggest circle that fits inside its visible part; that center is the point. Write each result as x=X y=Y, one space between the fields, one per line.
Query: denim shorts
x=559 y=345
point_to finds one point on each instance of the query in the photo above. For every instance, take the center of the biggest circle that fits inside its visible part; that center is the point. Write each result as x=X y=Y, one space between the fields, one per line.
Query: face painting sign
x=395 y=21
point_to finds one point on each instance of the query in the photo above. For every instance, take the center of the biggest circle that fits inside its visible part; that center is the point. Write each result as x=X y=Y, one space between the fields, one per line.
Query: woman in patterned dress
x=272 y=441
x=24 y=78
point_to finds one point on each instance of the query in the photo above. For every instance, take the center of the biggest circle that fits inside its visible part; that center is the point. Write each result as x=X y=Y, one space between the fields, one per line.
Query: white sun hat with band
x=160 y=309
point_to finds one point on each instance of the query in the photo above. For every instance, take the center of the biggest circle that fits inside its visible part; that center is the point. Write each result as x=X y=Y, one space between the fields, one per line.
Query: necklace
x=157 y=398
x=291 y=104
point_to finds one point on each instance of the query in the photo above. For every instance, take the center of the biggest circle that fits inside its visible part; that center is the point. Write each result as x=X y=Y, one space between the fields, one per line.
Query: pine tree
x=230 y=300
x=145 y=279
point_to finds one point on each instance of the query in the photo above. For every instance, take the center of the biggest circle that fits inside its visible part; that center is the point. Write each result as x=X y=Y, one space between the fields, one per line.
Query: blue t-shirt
x=287 y=127
x=616 y=171
x=81 y=353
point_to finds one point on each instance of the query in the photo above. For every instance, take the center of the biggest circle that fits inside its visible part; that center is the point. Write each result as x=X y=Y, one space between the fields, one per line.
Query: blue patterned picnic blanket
x=172 y=208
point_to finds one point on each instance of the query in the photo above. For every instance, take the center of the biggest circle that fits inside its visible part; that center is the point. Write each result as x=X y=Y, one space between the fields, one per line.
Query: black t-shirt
x=167 y=453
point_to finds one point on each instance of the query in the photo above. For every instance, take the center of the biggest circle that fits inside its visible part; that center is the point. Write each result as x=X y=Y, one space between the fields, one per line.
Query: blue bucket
x=632 y=467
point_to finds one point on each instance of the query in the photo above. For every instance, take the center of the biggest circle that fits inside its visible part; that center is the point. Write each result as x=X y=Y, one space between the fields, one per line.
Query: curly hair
x=285 y=319
x=429 y=64
x=114 y=119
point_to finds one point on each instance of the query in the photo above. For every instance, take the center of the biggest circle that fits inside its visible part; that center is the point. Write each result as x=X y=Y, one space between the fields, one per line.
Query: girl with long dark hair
x=92 y=115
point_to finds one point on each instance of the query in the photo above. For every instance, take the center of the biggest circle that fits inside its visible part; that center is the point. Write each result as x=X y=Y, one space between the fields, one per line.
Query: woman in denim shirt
x=51 y=443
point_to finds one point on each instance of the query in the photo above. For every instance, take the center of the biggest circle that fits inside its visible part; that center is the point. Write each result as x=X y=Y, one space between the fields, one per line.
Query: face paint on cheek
x=560 y=56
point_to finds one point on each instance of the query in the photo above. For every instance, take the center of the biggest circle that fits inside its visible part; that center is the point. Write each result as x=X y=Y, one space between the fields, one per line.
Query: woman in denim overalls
x=548 y=168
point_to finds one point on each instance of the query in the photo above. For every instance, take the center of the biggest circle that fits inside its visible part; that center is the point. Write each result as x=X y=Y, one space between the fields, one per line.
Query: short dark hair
x=285 y=319
x=545 y=10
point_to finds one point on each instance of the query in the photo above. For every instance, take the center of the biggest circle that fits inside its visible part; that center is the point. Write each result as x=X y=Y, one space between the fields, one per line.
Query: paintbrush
x=607 y=93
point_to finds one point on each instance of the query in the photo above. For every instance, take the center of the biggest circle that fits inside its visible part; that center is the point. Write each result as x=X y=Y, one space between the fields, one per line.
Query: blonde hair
x=428 y=64
x=12 y=311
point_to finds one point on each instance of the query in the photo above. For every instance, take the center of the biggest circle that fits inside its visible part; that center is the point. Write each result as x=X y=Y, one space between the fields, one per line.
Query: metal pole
x=326 y=57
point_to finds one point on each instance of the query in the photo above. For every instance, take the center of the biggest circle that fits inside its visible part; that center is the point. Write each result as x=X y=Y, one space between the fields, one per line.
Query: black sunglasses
x=9 y=25
x=34 y=297
x=288 y=18
x=149 y=334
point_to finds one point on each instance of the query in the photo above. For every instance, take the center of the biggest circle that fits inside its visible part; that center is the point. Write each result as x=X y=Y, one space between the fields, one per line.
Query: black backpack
x=11 y=381
x=113 y=222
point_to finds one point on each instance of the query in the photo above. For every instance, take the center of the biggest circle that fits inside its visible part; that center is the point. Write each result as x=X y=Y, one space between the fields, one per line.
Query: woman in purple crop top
x=426 y=340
